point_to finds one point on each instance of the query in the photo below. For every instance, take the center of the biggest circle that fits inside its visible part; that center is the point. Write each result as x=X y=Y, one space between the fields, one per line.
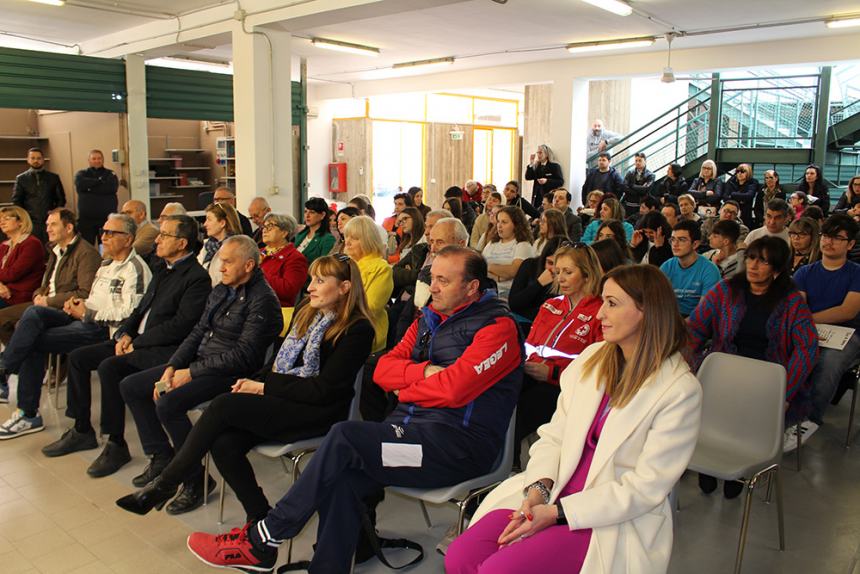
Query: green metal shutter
x=298 y=106
x=188 y=94
x=41 y=80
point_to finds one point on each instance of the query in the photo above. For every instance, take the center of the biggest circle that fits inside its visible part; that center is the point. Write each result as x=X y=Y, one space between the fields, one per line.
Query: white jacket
x=642 y=452
x=117 y=290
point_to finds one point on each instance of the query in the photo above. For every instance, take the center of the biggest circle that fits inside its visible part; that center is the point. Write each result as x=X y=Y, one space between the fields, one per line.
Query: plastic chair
x=54 y=376
x=296 y=451
x=467 y=490
x=204 y=199
x=742 y=428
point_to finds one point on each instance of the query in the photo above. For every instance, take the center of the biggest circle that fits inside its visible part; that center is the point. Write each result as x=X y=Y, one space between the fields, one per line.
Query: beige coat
x=643 y=450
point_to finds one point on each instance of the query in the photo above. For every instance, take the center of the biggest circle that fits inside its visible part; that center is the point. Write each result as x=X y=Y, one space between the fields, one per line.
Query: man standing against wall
x=96 y=187
x=38 y=191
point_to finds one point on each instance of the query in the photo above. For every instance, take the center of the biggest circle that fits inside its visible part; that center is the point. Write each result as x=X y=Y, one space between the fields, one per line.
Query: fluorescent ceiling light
x=339 y=46
x=181 y=63
x=599 y=46
x=50 y=2
x=843 y=22
x=615 y=6
x=435 y=62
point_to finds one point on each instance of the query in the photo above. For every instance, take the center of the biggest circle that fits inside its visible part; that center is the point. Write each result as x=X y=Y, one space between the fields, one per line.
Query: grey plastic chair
x=466 y=491
x=741 y=435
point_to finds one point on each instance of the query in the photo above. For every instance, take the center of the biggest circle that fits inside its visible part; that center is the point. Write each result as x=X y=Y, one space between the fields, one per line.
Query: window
x=398 y=162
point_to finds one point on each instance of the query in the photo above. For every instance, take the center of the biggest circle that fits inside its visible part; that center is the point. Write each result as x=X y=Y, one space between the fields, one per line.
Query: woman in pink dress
x=594 y=497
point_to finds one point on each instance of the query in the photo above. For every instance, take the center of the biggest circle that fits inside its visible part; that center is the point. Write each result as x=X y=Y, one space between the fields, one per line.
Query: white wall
x=651 y=97
x=319 y=147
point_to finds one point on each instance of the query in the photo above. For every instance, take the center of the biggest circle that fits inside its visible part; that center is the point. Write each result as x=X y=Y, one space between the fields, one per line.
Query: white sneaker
x=807 y=429
x=19 y=425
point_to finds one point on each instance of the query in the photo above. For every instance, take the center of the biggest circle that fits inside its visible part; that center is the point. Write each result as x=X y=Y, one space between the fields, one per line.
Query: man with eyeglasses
x=775 y=223
x=144 y=238
x=831 y=288
x=691 y=274
x=258 y=209
x=225 y=195
x=117 y=289
x=730 y=211
x=168 y=311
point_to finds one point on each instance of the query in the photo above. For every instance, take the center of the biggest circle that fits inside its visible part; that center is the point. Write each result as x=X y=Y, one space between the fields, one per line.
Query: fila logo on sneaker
x=233 y=556
x=491 y=360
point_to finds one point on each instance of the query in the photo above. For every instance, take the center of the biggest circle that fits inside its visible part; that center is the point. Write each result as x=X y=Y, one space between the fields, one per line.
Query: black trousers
x=112 y=369
x=170 y=412
x=535 y=407
x=350 y=467
x=231 y=426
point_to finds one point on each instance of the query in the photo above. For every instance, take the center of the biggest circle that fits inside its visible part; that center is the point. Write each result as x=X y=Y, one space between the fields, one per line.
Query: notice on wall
x=834 y=336
x=340 y=148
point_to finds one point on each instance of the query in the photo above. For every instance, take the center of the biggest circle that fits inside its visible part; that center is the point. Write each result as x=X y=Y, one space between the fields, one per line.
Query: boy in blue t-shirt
x=832 y=291
x=691 y=274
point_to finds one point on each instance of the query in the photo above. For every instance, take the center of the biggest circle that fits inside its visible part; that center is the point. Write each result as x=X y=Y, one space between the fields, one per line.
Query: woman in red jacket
x=563 y=328
x=284 y=266
x=22 y=258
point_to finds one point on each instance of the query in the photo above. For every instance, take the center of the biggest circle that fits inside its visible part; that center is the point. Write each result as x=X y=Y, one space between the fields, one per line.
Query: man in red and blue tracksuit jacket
x=457 y=373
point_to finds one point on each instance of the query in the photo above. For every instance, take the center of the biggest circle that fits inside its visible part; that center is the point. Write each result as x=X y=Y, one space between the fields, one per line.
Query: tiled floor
x=54 y=518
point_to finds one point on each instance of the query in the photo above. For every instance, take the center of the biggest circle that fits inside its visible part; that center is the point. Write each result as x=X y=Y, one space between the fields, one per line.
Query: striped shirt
x=117 y=290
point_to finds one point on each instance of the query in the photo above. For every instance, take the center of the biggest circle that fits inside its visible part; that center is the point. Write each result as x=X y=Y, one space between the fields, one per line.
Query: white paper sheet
x=833 y=336
x=396 y=454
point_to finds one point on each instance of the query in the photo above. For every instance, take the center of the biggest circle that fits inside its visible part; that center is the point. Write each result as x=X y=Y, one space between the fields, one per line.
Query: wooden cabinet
x=180 y=174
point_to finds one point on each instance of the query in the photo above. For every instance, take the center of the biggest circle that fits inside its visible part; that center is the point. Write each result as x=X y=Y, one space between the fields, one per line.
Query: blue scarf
x=211 y=246
x=309 y=343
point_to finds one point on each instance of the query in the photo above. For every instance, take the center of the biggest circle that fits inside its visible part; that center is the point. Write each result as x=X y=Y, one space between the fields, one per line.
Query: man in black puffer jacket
x=241 y=320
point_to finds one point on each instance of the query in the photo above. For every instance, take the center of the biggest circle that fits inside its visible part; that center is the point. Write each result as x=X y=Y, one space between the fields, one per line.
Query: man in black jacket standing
x=168 y=311
x=96 y=187
x=241 y=320
x=604 y=177
x=38 y=191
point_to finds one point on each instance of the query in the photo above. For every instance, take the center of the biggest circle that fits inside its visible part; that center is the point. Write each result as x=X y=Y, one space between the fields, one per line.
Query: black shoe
x=71 y=441
x=113 y=457
x=153 y=470
x=190 y=497
x=732 y=488
x=707 y=484
x=154 y=496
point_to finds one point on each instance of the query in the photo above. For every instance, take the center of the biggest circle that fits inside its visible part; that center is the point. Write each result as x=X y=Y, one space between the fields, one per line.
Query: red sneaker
x=232 y=550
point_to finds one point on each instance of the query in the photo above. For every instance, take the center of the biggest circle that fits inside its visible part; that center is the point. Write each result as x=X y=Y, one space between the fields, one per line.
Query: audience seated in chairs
x=813 y=185
x=604 y=177
x=616 y=231
x=724 y=248
x=776 y=220
x=563 y=328
x=831 y=288
x=337 y=225
x=561 y=201
x=221 y=222
x=257 y=210
x=315 y=240
x=690 y=274
x=609 y=255
x=514 y=198
x=168 y=311
x=687 y=205
x=759 y=314
x=22 y=258
x=628 y=420
x=283 y=266
x=851 y=197
x=492 y=232
x=410 y=224
x=707 y=189
x=225 y=196
x=552 y=224
x=534 y=282
x=443 y=377
x=769 y=191
x=241 y=319
x=638 y=182
x=482 y=223
x=362 y=245
x=117 y=289
x=309 y=388
x=745 y=189
x=650 y=242
x=730 y=211
x=805 y=235
x=610 y=208
x=144 y=238
x=417 y=195
x=468 y=215
x=512 y=246
x=673 y=185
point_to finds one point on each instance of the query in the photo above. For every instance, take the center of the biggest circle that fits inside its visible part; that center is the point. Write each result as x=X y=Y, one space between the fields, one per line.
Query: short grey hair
x=246 y=246
x=460 y=231
x=174 y=208
x=286 y=223
x=128 y=224
x=438 y=213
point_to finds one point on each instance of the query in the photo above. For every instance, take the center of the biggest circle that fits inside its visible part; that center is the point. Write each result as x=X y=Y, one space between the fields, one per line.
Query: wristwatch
x=562 y=519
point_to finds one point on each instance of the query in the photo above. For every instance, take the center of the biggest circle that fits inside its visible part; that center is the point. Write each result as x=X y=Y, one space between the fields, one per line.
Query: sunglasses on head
x=571 y=244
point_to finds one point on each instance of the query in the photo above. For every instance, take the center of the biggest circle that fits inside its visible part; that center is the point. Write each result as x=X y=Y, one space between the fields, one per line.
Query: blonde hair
x=585 y=259
x=364 y=229
x=711 y=164
x=351 y=309
x=226 y=212
x=21 y=215
x=662 y=333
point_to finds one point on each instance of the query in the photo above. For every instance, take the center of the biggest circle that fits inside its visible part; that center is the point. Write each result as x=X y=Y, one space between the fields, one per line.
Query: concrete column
x=568 y=130
x=138 y=143
x=262 y=113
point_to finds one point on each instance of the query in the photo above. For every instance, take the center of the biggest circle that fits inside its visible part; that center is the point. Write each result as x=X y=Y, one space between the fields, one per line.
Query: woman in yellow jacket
x=363 y=245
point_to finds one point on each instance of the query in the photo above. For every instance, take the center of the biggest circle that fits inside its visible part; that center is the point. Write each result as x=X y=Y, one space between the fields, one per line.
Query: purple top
x=577 y=481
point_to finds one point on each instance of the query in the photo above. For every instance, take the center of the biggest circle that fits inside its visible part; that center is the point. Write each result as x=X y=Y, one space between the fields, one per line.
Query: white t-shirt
x=500 y=253
x=763 y=232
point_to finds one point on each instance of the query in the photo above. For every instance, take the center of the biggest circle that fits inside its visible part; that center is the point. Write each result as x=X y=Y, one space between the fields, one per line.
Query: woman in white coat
x=594 y=497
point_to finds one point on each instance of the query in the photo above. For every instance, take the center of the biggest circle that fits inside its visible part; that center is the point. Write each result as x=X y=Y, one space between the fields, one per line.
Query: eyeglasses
x=9 y=218
x=797 y=234
x=833 y=237
x=739 y=170
x=162 y=234
x=268 y=226
x=758 y=258
x=769 y=177
x=111 y=232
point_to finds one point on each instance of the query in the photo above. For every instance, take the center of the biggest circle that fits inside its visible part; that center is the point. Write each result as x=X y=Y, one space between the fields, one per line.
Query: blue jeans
x=43 y=330
x=832 y=364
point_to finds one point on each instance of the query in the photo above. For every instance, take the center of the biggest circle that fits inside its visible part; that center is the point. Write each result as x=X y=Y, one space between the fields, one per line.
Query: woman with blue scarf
x=309 y=389
x=222 y=221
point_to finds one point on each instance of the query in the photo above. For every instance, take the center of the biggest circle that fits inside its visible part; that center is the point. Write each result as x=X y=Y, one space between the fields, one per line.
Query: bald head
x=135 y=209
x=258 y=209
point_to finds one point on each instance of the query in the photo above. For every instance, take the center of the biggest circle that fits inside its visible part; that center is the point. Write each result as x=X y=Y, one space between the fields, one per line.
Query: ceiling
x=479 y=33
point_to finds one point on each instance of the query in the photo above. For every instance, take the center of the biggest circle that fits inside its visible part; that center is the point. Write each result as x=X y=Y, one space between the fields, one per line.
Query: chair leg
x=768 y=493
x=206 y=479
x=799 y=445
x=851 y=415
x=777 y=478
x=57 y=381
x=745 y=521
x=426 y=514
x=221 y=502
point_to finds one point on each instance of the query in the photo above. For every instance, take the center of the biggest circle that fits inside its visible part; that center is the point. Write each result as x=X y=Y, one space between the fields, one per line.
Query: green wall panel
x=188 y=94
x=41 y=80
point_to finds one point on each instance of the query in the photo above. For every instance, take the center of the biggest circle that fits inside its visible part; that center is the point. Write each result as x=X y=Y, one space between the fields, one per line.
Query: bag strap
x=378 y=544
